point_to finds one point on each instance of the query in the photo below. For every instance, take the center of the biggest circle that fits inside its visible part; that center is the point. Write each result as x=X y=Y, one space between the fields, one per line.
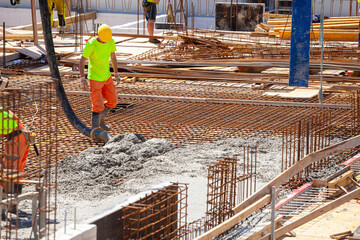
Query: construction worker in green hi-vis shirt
x=16 y=145
x=99 y=50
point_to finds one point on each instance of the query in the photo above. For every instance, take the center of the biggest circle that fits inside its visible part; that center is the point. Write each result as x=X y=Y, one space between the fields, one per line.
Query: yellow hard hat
x=105 y=33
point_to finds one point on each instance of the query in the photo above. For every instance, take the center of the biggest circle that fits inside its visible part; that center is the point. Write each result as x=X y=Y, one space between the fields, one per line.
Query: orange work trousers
x=16 y=152
x=101 y=90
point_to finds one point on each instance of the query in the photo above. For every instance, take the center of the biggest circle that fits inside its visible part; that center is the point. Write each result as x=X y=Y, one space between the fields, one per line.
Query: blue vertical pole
x=300 y=43
x=359 y=36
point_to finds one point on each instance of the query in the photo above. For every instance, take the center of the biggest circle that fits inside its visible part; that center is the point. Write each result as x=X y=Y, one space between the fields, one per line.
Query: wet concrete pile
x=324 y=172
x=102 y=166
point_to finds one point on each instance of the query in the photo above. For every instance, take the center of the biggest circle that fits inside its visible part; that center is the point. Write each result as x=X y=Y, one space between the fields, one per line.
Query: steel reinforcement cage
x=161 y=215
x=29 y=120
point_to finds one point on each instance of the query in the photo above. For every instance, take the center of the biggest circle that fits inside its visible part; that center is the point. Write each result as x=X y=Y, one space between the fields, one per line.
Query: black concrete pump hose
x=98 y=135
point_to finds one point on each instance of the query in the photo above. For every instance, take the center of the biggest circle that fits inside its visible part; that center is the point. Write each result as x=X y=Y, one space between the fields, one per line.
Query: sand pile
x=102 y=166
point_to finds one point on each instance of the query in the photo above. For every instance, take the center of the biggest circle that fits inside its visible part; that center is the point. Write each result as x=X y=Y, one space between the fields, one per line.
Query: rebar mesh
x=161 y=215
x=37 y=109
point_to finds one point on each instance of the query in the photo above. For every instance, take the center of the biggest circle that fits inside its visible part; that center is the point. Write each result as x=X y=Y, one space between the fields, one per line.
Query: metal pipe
x=273 y=198
x=98 y=135
x=75 y=219
x=65 y=222
x=138 y=19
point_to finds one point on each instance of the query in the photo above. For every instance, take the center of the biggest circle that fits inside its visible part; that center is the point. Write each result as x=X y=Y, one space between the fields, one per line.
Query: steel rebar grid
x=229 y=183
x=161 y=215
x=38 y=110
x=221 y=189
x=312 y=134
x=208 y=44
x=193 y=122
x=305 y=202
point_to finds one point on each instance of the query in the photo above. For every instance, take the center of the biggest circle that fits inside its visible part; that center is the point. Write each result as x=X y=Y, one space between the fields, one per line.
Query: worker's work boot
x=18 y=188
x=17 y=191
x=61 y=20
x=154 y=40
x=104 y=113
x=95 y=120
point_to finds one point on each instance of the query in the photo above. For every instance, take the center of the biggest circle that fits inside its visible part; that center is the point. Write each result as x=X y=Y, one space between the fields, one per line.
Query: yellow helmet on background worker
x=105 y=33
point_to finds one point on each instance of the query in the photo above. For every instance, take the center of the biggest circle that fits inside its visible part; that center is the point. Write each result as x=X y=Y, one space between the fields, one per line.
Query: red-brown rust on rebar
x=226 y=188
x=159 y=215
x=38 y=110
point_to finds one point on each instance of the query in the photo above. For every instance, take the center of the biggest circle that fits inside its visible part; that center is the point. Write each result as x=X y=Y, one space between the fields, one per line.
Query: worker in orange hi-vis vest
x=60 y=8
x=150 y=12
x=16 y=145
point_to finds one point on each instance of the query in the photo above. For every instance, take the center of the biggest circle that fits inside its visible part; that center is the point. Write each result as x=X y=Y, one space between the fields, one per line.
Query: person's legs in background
x=60 y=8
x=150 y=15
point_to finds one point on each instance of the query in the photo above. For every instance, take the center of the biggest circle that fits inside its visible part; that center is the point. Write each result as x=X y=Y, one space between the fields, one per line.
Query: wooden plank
x=67 y=8
x=116 y=35
x=170 y=13
x=318 y=212
x=297 y=93
x=328 y=36
x=263 y=231
x=34 y=25
x=10 y=57
x=19 y=198
x=296 y=168
x=199 y=78
x=338 y=173
x=332 y=20
x=211 y=100
x=341 y=180
x=341 y=235
x=342 y=188
x=328 y=28
x=237 y=63
x=216 y=231
x=271 y=15
x=20 y=37
x=34 y=52
x=6 y=31
x=69 y=21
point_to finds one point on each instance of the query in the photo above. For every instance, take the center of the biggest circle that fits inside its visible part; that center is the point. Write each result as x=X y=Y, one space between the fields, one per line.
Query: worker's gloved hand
x=84 y=83
x=117 y=79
